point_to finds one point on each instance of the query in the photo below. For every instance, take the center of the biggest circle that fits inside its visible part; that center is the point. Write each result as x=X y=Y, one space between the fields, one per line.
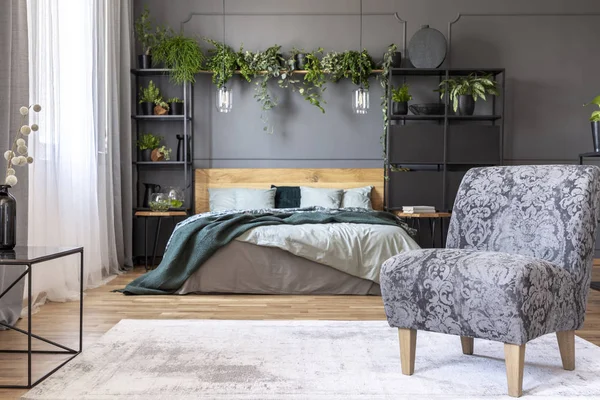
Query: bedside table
x=159 y=215
x=415 y=218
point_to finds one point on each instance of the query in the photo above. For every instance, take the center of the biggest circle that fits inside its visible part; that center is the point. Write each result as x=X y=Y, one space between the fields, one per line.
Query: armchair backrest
x=544 y=211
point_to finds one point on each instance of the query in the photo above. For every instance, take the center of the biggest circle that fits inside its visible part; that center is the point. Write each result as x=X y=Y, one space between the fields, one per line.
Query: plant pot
x=146 y=155
x=8 y=219
x=397 y=60
x=300 y=61
x=466 y=105
x=400 y=108
x=144 y=61
x=282 y=61
x=596 y=135
x=147 y=108
x=158 y=110
x=175 y=108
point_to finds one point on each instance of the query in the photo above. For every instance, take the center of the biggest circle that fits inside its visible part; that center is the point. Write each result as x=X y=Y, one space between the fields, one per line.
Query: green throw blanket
x=195 y=242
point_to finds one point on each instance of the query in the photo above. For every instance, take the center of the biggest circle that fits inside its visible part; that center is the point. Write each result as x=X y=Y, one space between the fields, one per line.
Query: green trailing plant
x=175 y=100
x=165 y=152
x=223 y=62
x=161 y=103
x=384 y=80
x=595 y=117
x=332 y=63
x=401 y=94
x=314 y=80
x=472 y=84
x=148 y=37
x=182 y=55
x=150 y=93
x=350 y=64
x=149 y=141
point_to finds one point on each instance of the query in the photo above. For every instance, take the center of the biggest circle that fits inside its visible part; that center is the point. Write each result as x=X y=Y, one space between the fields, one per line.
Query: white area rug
x=309 y=360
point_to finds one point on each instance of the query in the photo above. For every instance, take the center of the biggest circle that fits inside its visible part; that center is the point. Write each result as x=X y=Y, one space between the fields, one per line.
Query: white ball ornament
x=37 y=108
x=11 y=180
x=24 y=110
x=35 y=127
x=23 y=161
x=15 y=161
x=10 y=171
x=21 y=142
x=8 y=155
x=22 y=149
x=25 y=130
x=30 y=160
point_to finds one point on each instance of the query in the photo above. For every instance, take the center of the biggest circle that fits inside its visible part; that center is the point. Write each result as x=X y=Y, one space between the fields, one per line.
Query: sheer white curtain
x=71 y=196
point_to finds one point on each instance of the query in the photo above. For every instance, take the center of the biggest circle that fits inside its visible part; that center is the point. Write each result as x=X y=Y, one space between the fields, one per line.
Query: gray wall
x=550 y=62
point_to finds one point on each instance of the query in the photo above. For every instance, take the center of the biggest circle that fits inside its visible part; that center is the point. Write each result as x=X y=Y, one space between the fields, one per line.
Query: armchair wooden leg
x=566 y=345
x=467 y=345
x=514 y=357
x=408 y=344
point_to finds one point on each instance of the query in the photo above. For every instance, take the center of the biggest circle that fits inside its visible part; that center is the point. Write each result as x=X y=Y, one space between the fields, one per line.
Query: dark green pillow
x=287 y=196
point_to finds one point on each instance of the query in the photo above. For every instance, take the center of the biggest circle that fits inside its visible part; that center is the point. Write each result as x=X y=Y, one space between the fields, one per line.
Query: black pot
x=397 y=60
x=8 y=219
x=175 y=108
x=400 y=108
x=596 y=135
x=180 y=148
x=147 y=155
x=300 y=61
x=144 y=61
x=147 y=108
x=466 y=105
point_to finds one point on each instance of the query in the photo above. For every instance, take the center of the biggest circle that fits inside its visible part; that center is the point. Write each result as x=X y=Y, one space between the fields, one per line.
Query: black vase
x=147 y=108
x=144 y=61
x=400 y=108
x=175 y=108
x=147 y=155
x=397 y=60
x=180 y=148
x=300 y=61
x=466 y=105
x=596 y=135
x=8 y=219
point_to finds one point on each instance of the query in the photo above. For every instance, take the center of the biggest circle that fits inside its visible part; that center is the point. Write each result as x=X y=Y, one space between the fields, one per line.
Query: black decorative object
x=144 y=61
x=180 y=148
x=149 y=189
x=147 y=108
x=300 y=61
x=466 y=104
x=8 y=219
x=397 y=60
x=596 y=135
x=427 y=109
x=146 y=155
x=400 y=108
x=427 y=48
x=176 y=108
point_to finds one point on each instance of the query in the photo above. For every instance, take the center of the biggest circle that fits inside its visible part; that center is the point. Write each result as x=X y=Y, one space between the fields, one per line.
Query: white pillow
x=358 y=197
x=329 y=198
x=221 y=199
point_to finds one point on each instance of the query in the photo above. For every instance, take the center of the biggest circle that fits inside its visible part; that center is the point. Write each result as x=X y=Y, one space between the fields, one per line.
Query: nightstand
x=159 y=215
x=415 y=218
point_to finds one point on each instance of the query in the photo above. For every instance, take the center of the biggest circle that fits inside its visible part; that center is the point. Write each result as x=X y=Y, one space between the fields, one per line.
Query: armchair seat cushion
x=504 y=297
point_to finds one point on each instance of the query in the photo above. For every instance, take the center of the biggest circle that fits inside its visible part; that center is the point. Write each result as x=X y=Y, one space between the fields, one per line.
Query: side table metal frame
x=29 y=351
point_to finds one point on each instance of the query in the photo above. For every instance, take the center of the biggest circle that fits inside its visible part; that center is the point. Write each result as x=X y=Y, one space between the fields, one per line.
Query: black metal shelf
x=161 y=163
x=441 y=117
x=160 y=118
x=150 y=71
x=443 y=71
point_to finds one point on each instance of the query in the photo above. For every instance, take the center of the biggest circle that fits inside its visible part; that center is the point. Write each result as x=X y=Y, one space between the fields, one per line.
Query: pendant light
x=224 y=95
x=360 y=97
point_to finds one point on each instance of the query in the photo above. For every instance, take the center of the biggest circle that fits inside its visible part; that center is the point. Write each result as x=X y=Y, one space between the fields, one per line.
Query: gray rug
x=312 y=360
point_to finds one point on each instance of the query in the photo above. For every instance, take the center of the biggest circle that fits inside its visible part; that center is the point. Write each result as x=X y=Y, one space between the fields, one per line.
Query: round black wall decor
x=427 y=48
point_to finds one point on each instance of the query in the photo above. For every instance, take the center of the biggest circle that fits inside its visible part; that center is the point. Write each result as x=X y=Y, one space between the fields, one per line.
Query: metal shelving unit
x=439 y=149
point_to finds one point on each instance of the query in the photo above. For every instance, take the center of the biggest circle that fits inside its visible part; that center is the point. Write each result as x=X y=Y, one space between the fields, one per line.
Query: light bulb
x=224 y=100
x=360 y=100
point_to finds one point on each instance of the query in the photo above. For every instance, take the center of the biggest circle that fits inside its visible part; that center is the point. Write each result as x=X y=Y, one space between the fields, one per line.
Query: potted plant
x=148 y=38
x=400 y=99
x=148 y=97
x=223 y=62
x=595 y=121
x=175 y=106
x=148 y=143
x=161 y=107
x=182 y=55
x=298 y=58
x=161 y=154
x=464 y=91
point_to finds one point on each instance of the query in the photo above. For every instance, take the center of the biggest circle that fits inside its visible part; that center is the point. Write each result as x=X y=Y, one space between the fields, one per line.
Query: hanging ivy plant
x=181 y=54
x=384 y=80
x=223 y=62
x=350 y=64
x=312 y=86
x=332 y=63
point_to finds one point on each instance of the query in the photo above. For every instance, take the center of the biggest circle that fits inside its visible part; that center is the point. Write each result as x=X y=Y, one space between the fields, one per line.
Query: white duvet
x=356 y=249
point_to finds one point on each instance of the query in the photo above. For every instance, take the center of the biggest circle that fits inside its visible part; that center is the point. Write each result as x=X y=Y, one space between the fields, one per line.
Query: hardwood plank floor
x=103 y=309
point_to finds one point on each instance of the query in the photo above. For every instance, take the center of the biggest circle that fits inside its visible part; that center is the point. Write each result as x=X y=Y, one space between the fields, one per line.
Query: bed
x=340 y=257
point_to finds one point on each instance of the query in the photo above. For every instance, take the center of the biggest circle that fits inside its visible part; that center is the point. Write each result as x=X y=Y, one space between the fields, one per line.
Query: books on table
x=418 y=209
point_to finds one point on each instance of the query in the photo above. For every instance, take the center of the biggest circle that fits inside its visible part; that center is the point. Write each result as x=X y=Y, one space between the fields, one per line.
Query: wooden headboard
x=263 y=178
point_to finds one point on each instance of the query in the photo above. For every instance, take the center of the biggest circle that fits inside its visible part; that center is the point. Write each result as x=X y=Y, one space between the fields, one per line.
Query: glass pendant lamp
x=224 y=99
x=360 y=97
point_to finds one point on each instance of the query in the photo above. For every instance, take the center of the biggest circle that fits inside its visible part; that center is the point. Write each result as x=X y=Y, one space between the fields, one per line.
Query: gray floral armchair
x=517 y=265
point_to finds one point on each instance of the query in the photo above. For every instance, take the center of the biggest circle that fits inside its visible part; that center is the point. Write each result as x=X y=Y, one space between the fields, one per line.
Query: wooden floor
x=103 y=309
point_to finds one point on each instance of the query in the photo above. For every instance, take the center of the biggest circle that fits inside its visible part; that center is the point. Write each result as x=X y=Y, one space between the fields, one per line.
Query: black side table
x=593 y=285
x=28 y=256
x=159 y=215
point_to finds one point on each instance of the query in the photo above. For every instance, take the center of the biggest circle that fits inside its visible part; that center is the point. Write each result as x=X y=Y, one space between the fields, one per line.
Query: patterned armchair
x=517 y=265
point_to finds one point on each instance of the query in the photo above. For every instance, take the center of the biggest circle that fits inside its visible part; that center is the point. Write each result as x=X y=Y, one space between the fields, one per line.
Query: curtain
x=80 y=182
x=14 y=91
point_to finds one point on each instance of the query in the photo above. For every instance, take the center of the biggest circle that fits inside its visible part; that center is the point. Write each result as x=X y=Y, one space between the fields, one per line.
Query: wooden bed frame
x=263 y=178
